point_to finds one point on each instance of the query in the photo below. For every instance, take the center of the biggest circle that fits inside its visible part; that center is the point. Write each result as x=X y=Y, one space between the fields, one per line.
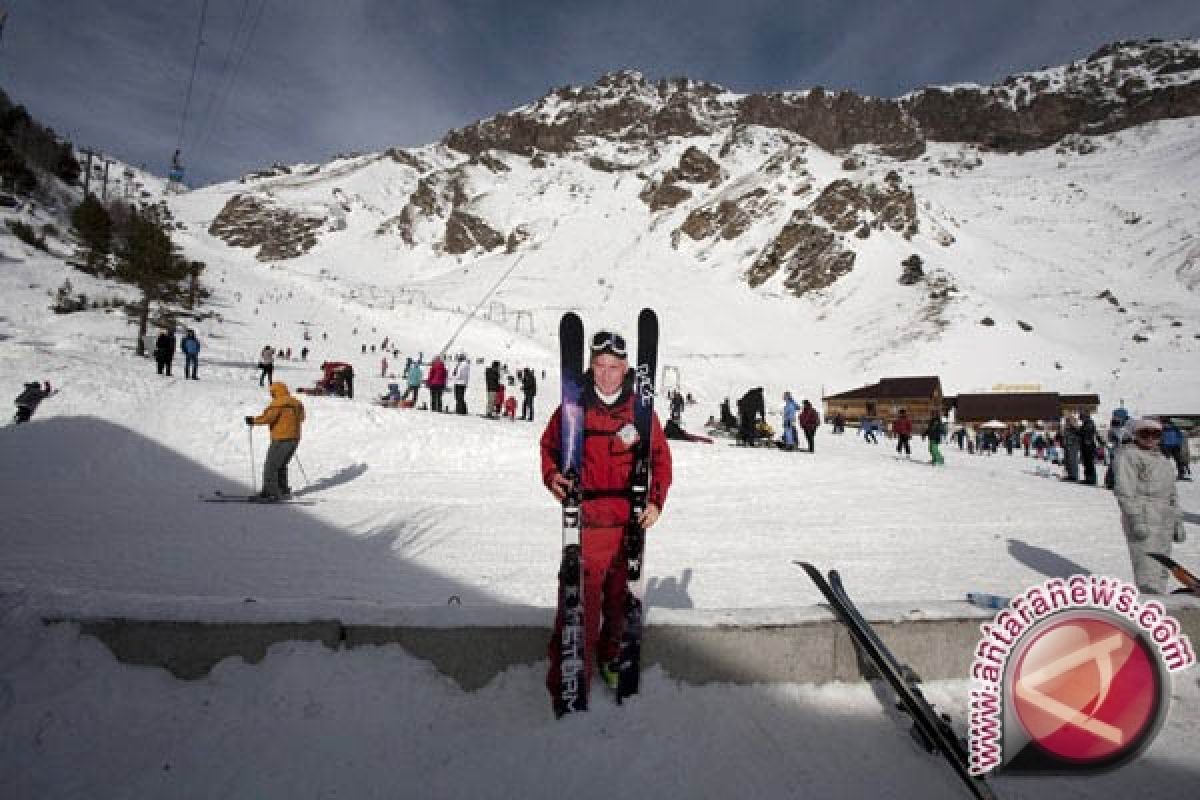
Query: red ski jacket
x=902 y=426
x=437 y=375
x=608 y=460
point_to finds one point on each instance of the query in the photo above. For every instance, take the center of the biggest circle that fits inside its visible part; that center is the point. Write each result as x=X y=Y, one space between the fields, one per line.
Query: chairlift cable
x=226 y=63
x=192 y=80
x=220 y=108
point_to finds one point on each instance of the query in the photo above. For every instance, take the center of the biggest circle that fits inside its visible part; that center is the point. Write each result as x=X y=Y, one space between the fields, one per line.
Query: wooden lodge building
x=921 y=396
x=1019 y=407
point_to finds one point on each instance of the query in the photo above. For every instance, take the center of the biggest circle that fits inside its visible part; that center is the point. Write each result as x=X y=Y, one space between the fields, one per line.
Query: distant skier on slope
x=609 y=439
x=459 y=379
x=266 y=365
x=437 y=383
x=809 y=421
x=789 y=439
x=903 y=429
x=528 y=392
x=190 y=346
x=164 y=352
x=935 y=432
x=27 y=401
x=285 y=418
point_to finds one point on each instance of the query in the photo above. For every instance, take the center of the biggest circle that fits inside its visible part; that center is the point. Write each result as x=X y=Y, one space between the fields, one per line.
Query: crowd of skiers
x=500 y=385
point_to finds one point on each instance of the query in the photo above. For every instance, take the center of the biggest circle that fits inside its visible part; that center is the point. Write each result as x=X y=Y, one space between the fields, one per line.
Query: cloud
x=319 y=78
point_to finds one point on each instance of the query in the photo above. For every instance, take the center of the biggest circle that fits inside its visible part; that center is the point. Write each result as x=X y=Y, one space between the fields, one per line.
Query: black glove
x=249 y=420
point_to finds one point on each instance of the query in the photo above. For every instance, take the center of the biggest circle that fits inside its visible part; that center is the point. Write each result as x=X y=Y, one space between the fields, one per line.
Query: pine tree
x=147 y=258
x=95 y=228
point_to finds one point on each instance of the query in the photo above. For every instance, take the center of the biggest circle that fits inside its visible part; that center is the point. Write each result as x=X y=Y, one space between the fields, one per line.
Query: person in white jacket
x=1149 y=503
x=459 y=379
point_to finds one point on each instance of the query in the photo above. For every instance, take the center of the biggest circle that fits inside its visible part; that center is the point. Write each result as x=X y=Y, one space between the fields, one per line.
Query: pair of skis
x=931 y=729
x=1191 y=583
x=222 y=497
x=571 y=693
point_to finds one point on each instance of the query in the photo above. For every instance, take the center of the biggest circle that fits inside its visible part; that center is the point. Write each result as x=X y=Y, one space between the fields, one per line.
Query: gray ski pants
x=275 y=477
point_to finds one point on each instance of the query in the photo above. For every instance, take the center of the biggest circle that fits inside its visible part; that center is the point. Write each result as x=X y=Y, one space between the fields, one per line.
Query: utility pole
x=104 y=191
x=87 y=173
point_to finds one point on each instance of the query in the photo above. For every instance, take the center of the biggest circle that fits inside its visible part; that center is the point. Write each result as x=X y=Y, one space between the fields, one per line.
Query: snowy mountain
x=772 y=230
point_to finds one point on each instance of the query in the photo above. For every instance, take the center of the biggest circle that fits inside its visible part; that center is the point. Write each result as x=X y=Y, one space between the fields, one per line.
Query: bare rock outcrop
x=843 y=204
x=695 y=166
x=620 y=106
x=660 y=195
x=465 y=232
x=913 y=272
x=250 y=220
x=1119 y=86
x=809 y=254
x=837 y=121
x=406 y=158
x=728 y=219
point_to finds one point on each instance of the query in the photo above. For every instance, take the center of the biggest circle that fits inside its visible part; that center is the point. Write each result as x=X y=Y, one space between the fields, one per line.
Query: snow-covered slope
x=1032 y=238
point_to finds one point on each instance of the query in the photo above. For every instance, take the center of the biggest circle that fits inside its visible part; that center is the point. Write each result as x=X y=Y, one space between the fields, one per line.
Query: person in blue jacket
x=414 y=376
x=1172 y=446
x=190 y=346
x=789 y=421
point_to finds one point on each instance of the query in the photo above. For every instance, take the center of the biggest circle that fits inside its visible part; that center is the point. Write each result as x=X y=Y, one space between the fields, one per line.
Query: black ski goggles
x=608 y=342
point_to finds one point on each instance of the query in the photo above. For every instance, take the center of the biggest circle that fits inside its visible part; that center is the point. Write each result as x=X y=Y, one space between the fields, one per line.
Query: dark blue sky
x=325 y=76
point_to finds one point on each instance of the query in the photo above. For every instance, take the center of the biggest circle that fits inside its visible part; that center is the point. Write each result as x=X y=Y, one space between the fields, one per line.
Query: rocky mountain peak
x=619 y=106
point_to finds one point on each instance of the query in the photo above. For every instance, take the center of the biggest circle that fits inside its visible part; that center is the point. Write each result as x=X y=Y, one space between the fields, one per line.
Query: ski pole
x=303 y=471
x=253 y=479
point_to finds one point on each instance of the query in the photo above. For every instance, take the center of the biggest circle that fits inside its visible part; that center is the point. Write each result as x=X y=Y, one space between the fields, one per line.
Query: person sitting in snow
x=27 y=401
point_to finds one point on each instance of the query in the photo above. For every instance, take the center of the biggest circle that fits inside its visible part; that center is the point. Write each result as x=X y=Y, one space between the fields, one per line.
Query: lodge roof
x=889 y=388
x=1080 y=399
x=1008 y=406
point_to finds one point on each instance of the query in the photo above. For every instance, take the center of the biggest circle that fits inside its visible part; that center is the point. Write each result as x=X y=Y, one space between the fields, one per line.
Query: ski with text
x=931 y=729
x=629 y=658
x=571 y=693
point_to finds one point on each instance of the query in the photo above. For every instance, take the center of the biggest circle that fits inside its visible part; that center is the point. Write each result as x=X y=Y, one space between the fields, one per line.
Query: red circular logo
x=1087 y=690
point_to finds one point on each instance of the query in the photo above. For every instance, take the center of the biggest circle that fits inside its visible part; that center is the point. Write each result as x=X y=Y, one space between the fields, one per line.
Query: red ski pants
x=604 y=586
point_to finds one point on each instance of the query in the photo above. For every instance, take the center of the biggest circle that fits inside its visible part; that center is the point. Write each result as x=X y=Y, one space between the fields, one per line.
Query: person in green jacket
x=934 y=433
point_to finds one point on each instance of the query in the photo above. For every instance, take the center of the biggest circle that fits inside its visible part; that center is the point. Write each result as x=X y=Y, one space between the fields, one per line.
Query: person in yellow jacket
x=285 y=417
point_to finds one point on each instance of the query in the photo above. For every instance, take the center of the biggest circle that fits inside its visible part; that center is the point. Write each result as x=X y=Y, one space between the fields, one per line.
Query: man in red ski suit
x=609 y=439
